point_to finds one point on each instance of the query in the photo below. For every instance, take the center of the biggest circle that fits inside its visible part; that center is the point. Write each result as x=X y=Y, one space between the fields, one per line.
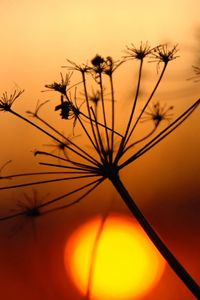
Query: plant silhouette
x=111 y=150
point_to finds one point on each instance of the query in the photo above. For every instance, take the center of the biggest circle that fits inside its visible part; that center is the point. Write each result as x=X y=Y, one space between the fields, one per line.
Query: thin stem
x=47 y=203
x=87 y=134
x=162 y=134
x=104 y=112
x=49 y=134
x=146 y=104
x=135 y=100
x=46 y=181
x=96 y=183
x=83 y=166
x=82 y=169
x=21 y=213
x=160 y=245
x=99 y=123
x=67 y=139
x=141 y=140
x=112 y=115
x=89 y=112
x=44 y=173
x=123 y=141
x=100 y=142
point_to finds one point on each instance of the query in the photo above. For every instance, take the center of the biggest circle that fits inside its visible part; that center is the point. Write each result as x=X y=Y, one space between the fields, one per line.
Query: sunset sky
x=36 y=39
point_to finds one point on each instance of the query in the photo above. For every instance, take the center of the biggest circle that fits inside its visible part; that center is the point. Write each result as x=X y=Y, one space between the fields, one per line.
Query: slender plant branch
x=95 y=184
x=47 y=203
x=123 y=141
x=92 y=159
x=104 y=111
x=95 y=121
x=162 y=134
x=146 y=104
x=100 y=141
x=112 y=115
x=45 y=173
x=135 y=100
x=47 y=181
x=141 y=140
x=12 y=216
x=89 y=113
x=160 y=245
x=82 y=169
x=83 y=166
x=47 y=133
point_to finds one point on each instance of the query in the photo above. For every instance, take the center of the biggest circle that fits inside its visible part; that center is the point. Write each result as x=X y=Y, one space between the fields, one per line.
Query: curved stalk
x=160 y=245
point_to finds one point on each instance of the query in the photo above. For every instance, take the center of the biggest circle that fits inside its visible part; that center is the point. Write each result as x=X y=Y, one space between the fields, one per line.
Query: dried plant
x=111 y=150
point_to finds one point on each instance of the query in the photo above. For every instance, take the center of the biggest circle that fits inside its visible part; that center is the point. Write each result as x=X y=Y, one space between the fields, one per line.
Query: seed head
x=62 y=85
x=138 y=53
x=6 y=101
x=163 y=54
x=158 y=113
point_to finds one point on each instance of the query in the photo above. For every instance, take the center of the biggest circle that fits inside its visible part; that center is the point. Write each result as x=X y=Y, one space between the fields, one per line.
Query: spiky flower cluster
x=108 y=145
x=96 y=122
x=6 y=101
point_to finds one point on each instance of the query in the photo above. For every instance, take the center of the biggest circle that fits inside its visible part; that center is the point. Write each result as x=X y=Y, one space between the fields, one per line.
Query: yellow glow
x=121 y=264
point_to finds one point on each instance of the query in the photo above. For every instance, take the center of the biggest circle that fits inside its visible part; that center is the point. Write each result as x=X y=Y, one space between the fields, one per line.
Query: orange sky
x=36 y=38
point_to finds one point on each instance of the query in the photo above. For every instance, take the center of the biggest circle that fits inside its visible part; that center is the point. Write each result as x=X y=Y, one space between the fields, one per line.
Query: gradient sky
x=36 y=38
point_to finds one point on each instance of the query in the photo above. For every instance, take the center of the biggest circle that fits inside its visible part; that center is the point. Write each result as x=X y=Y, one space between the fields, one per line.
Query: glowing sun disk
x=112 y=259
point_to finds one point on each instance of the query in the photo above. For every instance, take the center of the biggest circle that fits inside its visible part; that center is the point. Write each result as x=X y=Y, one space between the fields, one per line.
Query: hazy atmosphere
x=37 y=255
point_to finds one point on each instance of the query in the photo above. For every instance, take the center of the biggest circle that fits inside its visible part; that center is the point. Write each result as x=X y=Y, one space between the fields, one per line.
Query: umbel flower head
x=108 y=143
x=61 y=86
x=138 y=53
x=158 y=113
x=6 y=101
x=162 y=53
x=196 y=76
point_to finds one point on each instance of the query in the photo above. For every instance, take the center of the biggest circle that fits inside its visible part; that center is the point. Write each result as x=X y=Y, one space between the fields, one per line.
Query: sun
x=112 y=258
